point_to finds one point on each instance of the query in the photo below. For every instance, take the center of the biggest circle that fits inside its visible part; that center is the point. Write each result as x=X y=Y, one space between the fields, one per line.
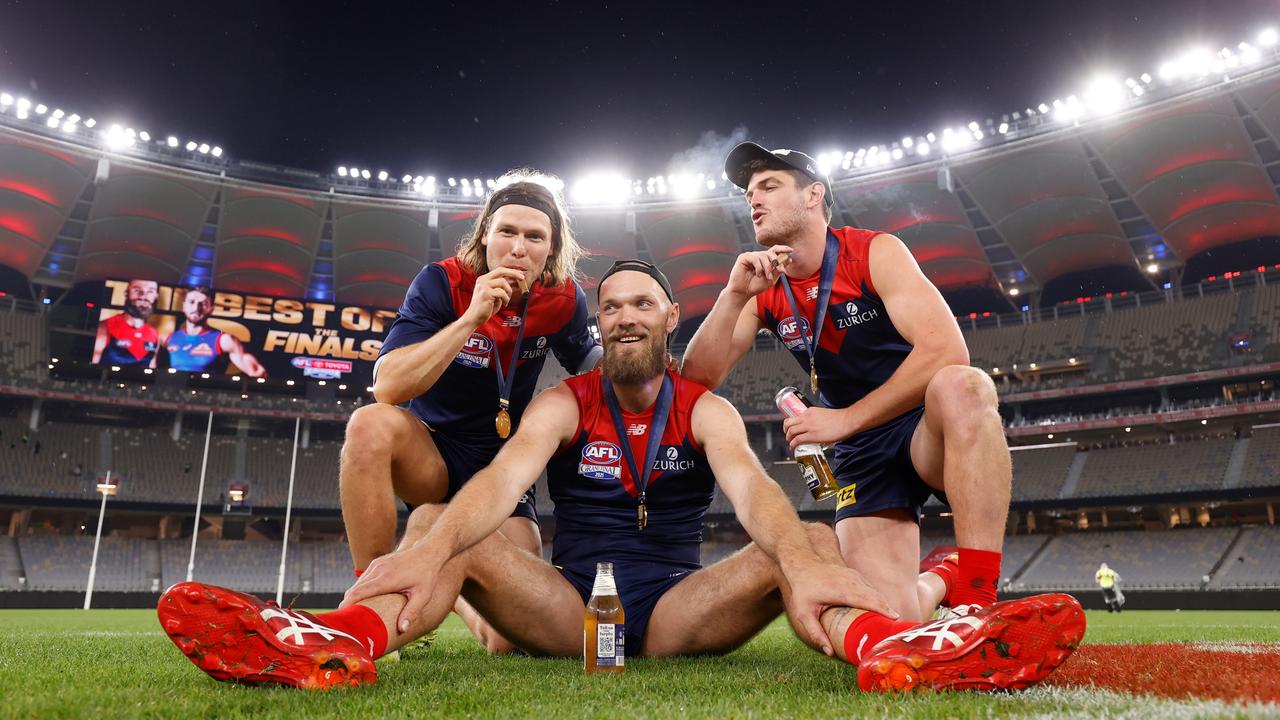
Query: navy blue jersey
x=129 y=345
x=464 y=400
x=859 y=348
x=596 y=497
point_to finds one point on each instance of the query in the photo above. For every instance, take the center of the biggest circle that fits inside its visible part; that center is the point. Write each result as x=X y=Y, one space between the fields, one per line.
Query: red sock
x=867 y=630
x=947 y=570
x=361 y=623
x=978 y=577
x=358 y=572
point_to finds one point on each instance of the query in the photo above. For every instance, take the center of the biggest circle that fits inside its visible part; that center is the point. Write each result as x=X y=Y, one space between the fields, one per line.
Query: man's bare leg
x=885 y=548
x=524 y=534
x=720 y=607
x=521 y=595
x=959 y=447
x=388 y=454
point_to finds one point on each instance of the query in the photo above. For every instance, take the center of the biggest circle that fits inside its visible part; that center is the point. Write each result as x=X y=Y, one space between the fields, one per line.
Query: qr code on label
x=605 y=641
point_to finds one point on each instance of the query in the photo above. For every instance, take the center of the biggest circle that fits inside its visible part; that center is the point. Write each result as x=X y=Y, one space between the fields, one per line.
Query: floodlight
x=1104 y=95
x=41 y=109
x=1004 y=128
x=191 y=146
x=1267 y=37
x=52 y=122
x=172 y=141
x=342 y=170
x=383 y=175
x=922 y=149
x=602 y=188
x=453 y=182
x=203 y=149
x=1153 y=268
x=6 y=99
x=365 y=174
x=1014 y=292
x=897 y=153
x=68 y=126
x=57 y=113
x=146 y=136
x=216 y=151
x=90 y=123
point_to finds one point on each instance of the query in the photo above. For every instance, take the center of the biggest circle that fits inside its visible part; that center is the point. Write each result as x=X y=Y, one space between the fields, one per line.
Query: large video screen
x=143 y=323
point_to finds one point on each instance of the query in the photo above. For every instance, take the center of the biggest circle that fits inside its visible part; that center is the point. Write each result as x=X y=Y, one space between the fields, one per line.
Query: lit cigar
x=782 y=259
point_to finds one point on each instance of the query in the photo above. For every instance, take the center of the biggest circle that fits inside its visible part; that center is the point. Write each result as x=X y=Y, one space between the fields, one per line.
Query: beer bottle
x=813 y=463
x=604 y=625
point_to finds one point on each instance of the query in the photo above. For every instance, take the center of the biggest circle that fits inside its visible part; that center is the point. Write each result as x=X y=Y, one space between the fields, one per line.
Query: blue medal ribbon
x=825 y=281
x=506 y=382
x=661 y=409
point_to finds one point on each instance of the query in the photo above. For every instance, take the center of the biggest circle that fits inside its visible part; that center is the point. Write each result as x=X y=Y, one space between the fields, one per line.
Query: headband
x=639 y=266
x=517 y=195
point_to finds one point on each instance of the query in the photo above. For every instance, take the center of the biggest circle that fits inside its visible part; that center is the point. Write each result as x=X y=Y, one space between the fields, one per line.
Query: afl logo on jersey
x=600 y=460
x=792 y=331
x=475 y=352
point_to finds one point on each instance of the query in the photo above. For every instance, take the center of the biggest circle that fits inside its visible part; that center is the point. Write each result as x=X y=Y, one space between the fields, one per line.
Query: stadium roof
x=1161 y=182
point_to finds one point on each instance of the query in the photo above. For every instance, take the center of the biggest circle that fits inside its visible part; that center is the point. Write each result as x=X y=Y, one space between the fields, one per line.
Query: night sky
x=473 y=88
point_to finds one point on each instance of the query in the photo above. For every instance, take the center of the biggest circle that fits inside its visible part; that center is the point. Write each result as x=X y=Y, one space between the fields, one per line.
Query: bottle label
x=611 y=645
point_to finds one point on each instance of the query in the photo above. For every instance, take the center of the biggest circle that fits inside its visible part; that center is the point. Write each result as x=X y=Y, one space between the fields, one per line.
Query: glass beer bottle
x=604 y=625
x=813 y=463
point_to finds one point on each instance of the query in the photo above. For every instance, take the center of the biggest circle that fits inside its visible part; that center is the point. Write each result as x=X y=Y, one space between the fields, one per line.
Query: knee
x=422 y=519
x=963 y=395
x=371 y=431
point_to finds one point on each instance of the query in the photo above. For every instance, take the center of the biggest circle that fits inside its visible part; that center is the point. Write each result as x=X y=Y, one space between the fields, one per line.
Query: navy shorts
x=875 y=473
x=463 y=458
x=640 y=586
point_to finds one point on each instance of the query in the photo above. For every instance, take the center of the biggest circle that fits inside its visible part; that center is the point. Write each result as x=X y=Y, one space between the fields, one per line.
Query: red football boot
x=1006 y=646
x=239 y=638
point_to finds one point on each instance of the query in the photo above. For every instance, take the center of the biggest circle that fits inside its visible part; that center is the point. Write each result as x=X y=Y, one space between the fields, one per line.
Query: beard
x=784 y=228
x=133 y=309
x=646 y=365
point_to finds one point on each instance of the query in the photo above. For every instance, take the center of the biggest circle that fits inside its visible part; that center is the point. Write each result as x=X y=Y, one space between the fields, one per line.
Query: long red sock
x=947 y=571
x=361 y=623
x=867 y=630
x=978 y=577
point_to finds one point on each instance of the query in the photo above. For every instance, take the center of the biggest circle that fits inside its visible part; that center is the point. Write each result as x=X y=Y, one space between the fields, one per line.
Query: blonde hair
x=562 y=261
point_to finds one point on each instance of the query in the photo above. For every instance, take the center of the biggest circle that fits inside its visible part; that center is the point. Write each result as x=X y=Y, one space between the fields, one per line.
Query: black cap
x=639 y=266
x=736 y=165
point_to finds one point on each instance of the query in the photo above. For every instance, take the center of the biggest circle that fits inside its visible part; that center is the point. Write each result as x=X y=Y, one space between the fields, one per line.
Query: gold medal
x=813 y=380
x=503 y=423
x=642 y=516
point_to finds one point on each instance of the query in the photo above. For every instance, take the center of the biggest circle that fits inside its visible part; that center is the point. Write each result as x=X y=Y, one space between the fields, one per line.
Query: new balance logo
x=637 y=429
x=300 y=626
x=513 y=321
x=941 y=631
x=811 y=293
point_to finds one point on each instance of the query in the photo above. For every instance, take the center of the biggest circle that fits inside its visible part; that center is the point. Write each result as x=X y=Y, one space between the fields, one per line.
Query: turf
x=117 y=663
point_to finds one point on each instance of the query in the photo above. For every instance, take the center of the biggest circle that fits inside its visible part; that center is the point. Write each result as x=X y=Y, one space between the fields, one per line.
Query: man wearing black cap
x=888 y=368
x=591 y=433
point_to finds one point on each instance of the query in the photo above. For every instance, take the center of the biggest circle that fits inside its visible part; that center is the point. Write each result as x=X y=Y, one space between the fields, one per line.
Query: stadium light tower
x=602 y=188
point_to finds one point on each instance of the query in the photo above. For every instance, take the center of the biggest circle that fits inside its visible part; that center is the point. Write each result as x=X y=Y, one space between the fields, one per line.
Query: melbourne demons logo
x=601 y=460
x=475 y=352
x=792 y=331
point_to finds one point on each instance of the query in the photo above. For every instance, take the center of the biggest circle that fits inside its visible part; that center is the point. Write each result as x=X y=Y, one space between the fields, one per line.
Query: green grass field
x=117 y=663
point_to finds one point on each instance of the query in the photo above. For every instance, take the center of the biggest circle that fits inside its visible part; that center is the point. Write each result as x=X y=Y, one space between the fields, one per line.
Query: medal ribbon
x=825 y=281
x=661 y=409
x=506 y=382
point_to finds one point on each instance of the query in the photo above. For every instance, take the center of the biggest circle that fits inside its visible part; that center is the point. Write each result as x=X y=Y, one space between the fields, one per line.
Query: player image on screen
x=126 y=338
x=196 y=347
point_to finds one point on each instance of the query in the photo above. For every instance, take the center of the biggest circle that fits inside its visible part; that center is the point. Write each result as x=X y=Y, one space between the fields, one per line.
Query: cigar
x=781 y=260
x=524 y=286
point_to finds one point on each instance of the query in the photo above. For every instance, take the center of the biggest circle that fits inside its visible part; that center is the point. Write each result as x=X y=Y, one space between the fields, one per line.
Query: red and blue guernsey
x=193 y=352
x=858 y=348
x=596 y=498
x=129 y=345
x=463 y=401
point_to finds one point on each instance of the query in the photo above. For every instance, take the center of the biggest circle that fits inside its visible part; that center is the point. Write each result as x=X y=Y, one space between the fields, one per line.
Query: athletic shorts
x=875 y=473
x=464 y=458
x=640 y=586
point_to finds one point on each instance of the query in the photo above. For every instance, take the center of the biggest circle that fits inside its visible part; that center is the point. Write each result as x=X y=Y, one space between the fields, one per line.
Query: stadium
x=1112 y=260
